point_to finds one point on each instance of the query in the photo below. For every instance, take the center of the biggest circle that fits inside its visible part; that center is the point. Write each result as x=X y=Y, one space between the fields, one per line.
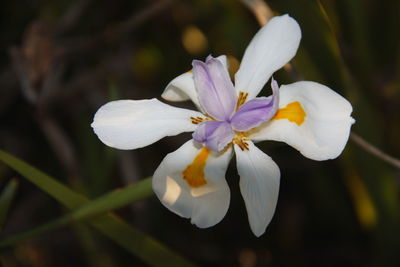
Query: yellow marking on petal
x=194 y=173
x=293 y=112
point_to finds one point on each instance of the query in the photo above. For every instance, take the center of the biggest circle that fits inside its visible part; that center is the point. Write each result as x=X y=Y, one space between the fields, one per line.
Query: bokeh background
x=61 y=60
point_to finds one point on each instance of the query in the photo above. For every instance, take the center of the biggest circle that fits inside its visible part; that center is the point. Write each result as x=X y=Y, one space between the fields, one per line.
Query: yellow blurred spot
x=194 y=173
x=293 y=112
x=261 y=10
x=247 y=258
x=193 y=40
x=363 y=205
x=32 y=255
x=233 y=64
x=146 y=61
x=288 y=67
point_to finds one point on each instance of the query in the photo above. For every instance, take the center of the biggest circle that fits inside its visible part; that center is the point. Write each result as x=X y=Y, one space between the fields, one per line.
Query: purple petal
x=275 y=96
x=214 y=134
x=256 y=111
x=214 y=87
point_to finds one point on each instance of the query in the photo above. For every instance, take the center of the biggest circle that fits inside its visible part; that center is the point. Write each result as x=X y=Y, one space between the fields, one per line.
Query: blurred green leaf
x=318 y=42
x=97 y=160
x=6 y=198
x=110 y=201
x=323 y=52
x=96 y=254
x=137 y=243
x=320 y=59
x=114 y=199
x=60 y=192
x=356 y=15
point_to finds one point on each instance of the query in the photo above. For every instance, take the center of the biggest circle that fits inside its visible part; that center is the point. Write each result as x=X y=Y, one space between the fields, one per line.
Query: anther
x=241 y=99
x=196 y=120
x=241 y=142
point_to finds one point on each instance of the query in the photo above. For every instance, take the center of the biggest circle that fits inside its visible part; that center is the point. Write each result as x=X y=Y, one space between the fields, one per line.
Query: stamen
x=196 y=120
x=209 y=118
x=241 y=99
x=241 y=141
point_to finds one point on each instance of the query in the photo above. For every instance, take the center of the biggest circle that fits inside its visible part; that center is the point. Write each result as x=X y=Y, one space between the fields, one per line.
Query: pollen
x=293 y=112
x=194 y=172
x=241 y=99
x=198 y=120
x=241 y=141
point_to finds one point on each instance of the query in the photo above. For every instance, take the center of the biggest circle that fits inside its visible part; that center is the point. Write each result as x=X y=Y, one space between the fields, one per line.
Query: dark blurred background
x=61 y=60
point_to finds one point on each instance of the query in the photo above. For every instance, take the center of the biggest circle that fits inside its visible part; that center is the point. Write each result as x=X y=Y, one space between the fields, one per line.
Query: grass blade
x=58 y=191
x=134 y=241
x=6 y=198
x=106 y=203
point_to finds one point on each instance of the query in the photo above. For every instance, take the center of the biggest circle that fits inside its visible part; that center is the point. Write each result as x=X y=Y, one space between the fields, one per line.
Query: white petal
x=326 y=127
x=207 y=204
x=182 y=87
x=270 y=49
x=130 y=124
x=259 y=184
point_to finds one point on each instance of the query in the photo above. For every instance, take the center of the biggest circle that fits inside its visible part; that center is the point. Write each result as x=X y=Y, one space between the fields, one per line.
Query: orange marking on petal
x=194 y=172
x=293 y=112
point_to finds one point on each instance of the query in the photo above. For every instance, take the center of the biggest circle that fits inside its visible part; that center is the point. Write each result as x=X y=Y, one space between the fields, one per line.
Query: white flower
x=191 y=181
